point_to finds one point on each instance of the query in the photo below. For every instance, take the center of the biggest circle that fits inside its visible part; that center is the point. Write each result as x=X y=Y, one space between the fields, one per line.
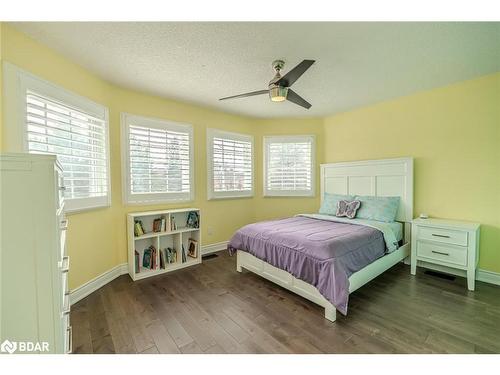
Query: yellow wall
x=97 y=239
x=424 y=126
x=454 y=135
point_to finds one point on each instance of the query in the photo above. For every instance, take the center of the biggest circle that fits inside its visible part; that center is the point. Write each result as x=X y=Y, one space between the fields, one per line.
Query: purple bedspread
x=319 y=252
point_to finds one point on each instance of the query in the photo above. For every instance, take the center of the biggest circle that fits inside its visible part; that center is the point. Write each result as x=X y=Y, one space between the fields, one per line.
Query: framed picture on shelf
x=192 y=248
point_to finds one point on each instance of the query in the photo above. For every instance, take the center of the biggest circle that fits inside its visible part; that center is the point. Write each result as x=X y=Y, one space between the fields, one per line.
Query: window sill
x=218 y=198
x=288 y=195
x=156 y=202
x=78 y=210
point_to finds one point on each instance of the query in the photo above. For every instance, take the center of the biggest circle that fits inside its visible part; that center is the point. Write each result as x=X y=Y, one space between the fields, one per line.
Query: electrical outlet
x=210 y=230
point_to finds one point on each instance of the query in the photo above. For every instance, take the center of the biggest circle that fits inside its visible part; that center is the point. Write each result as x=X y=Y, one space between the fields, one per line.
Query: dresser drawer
x=66 y=306
x=443 y=235
x=64 y=287
x=60 y=188
x=442 y=252
x=68 y=340
x=62 y=245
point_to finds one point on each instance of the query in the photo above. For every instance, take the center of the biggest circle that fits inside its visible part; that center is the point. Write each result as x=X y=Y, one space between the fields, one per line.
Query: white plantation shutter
x=159 y=157
x=230 y=164
x=79 y=140
x=289 y=166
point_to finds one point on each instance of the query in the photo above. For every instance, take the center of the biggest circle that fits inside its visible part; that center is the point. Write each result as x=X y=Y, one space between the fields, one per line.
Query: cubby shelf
x=167 y=233
x=174 y=239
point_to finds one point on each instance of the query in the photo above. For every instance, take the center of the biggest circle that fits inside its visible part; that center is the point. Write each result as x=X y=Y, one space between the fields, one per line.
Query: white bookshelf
x=167 y=238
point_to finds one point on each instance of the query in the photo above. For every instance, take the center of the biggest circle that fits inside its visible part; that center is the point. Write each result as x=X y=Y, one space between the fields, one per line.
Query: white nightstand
x=446 y=245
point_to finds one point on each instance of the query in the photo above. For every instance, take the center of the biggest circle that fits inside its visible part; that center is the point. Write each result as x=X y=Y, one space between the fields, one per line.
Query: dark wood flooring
x=210 y=308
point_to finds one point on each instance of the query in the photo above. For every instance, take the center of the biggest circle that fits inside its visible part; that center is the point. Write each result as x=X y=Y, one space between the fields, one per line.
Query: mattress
x=323 y=253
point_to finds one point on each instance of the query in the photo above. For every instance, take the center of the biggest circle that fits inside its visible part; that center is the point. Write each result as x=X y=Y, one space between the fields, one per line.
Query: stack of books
x=149 y=258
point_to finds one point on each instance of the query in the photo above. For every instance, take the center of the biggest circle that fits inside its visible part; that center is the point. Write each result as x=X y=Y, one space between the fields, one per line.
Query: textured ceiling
x=357 y=64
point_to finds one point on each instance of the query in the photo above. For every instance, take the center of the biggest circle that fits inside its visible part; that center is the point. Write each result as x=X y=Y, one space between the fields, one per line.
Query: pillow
x=347 y=209
x=378 y=208
x=330 y=201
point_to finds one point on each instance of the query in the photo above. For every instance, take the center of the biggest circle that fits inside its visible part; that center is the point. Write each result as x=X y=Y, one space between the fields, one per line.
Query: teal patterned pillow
x=378 y=208
x=330 y=201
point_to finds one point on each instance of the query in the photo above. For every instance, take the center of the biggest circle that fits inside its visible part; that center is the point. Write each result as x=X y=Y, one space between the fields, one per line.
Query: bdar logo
x=9 y=347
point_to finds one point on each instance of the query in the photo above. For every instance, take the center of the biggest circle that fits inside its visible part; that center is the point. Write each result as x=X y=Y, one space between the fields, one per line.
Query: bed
x=364 y=244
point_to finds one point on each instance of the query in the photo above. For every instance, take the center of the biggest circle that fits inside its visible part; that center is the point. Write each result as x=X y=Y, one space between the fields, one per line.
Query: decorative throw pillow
x=347 y=209
x=378 y=208
x=330 y=201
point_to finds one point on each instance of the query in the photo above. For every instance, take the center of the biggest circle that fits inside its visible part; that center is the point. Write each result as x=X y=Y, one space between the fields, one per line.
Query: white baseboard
x=122 y=269
x=208 y=249
x=91 y=286
x=488 y=277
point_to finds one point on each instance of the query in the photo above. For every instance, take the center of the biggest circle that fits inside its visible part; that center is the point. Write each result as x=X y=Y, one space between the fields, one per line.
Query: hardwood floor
x=210 y=308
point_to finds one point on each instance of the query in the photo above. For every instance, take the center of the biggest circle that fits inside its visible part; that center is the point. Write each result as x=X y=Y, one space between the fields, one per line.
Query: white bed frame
x=387 y=177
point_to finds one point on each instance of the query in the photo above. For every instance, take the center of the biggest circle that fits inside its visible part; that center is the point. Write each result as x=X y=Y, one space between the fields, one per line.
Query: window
x=230 y=164
x=73 y=128
x=158 y=160
x=289 y=166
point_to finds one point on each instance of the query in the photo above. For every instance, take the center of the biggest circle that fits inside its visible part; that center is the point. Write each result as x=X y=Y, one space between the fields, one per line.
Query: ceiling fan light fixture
x=278 y=87
x=278 y=93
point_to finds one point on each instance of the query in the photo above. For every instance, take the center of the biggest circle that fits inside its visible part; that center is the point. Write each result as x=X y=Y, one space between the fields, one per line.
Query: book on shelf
x=154 y=257
x=146 y=258
x=192 y=248
x=172 y=255
x=173 y=224
x=138 y=228
x=168 y=255
x=193 y=220
x=149 y=258
x=137 y=264
x=157 y=225
x=162 y=259
x=160 y=224
x=183 y=254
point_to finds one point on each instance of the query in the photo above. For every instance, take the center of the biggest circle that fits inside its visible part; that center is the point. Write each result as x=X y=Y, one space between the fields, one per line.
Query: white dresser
x=446 y=245
x=34 y=265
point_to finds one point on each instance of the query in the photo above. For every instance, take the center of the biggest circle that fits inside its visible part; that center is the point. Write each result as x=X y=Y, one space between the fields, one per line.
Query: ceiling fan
x=279 y=87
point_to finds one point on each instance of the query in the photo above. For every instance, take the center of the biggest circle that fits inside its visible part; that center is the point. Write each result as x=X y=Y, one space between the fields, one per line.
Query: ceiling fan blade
x=253 y=93
x=295 y=98
x=288 y=79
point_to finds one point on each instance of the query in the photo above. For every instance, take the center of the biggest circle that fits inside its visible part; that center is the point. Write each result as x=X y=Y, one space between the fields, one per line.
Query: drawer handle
x=62 y=188
x=66 y=310
x=64 y=264
x=439 y=252
x=440 y=235
x=70 y=330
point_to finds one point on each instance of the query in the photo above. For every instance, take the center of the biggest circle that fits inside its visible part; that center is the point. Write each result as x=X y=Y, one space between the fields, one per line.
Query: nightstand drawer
x=449 y=236
x=442 y=253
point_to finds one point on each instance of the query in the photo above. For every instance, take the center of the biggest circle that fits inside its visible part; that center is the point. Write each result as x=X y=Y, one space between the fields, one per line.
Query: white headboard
x=385 y=177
